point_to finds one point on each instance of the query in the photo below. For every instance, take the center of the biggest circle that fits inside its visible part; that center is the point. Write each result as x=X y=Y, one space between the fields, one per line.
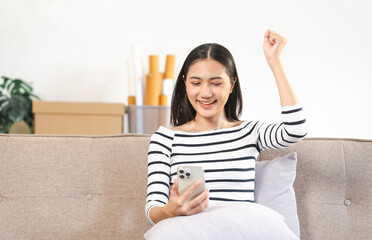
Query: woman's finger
x=199 y=199
x=174 y=191
x=189 y=191
x=277 y=38
x=200 y=204
x=266 y=36
x=273 y=38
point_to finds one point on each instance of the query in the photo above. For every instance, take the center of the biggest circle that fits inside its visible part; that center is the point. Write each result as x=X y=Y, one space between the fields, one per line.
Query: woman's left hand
x=273 y=45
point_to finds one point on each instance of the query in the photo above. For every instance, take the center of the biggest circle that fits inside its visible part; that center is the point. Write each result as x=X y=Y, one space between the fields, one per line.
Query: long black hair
x=181 y=109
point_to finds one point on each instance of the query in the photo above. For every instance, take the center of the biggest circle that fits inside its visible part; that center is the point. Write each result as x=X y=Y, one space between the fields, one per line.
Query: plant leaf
x=34 y=96
x=3 y=100
x=6 y=79
x=23 y=85
x=17 y=86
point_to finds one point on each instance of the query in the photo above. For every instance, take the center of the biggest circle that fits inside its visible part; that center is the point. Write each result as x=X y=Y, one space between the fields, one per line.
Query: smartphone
x=188 y=175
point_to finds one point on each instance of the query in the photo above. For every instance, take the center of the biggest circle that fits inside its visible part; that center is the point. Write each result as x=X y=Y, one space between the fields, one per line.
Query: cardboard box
x=78 y=118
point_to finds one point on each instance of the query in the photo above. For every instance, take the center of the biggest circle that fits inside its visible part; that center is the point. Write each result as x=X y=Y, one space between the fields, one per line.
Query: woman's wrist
x=274 y=62
x=159 y=213
x=277 y=68
x=166 y=211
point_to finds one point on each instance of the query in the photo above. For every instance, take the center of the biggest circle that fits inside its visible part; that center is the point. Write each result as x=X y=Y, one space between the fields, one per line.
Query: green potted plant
x=15 y=103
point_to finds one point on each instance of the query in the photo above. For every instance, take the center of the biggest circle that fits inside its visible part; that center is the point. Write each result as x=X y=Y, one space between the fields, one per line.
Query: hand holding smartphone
x=187 y=176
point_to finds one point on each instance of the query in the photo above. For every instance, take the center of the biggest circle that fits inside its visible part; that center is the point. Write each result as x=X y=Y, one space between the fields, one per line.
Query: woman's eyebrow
x=212 y=78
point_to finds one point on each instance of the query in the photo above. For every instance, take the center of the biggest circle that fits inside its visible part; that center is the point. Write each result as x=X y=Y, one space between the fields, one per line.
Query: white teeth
x=207 y=103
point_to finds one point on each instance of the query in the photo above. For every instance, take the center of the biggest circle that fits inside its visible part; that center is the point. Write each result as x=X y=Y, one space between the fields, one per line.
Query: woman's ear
x=233 y=85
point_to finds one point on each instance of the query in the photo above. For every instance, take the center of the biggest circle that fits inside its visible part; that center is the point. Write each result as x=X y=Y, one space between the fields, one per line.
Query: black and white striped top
x=227 y=156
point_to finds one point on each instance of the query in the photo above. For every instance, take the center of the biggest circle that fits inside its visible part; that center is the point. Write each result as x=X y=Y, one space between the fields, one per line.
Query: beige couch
x=94 y=187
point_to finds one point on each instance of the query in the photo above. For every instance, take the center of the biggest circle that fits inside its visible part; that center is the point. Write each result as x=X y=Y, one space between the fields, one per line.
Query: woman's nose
x=206 y=91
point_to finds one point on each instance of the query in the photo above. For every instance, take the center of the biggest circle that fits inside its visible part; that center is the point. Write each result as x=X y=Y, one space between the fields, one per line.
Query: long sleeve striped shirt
x=227 y=156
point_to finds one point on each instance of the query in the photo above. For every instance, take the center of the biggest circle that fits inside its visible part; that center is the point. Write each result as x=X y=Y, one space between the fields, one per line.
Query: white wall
x=76 y=50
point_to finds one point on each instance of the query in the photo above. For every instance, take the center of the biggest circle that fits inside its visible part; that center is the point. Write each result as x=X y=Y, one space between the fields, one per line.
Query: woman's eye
x=216 y=84
x=195 y=83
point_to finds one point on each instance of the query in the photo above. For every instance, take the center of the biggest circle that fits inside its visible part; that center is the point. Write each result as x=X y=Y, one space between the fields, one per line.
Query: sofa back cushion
x=86 y=187
x=73 y=187
x=333 y=187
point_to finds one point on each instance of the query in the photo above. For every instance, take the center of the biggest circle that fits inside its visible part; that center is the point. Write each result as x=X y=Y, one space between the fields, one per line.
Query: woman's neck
x=205 y=124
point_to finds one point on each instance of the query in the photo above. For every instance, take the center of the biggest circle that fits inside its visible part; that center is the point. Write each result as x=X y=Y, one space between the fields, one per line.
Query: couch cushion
x=73 y=187
x=358 y=164
x=81 y=187
x=42 y=217
x=225 y=220
x=320 y=187
x=44 y=166
x=119 y=167
x=274 y=188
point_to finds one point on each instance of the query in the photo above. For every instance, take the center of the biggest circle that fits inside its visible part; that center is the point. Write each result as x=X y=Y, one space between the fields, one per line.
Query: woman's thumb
x=266 y=37
x=175 y=186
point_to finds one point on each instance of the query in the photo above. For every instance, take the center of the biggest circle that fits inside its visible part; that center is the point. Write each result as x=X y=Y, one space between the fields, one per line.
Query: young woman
x=206 y=106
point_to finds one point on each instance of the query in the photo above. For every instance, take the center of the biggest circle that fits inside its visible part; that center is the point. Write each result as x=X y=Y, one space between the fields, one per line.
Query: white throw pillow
x=274 y=188
x=224 y=220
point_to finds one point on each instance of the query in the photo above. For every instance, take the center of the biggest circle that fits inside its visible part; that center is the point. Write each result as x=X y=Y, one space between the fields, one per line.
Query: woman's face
x=208 y=88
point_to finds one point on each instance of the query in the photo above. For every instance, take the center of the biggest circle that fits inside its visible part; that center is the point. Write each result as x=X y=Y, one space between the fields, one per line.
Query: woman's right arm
x=161 y=203
x=158 y=177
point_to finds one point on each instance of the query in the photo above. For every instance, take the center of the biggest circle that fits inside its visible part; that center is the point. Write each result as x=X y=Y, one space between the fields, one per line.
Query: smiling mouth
x=207 y=103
